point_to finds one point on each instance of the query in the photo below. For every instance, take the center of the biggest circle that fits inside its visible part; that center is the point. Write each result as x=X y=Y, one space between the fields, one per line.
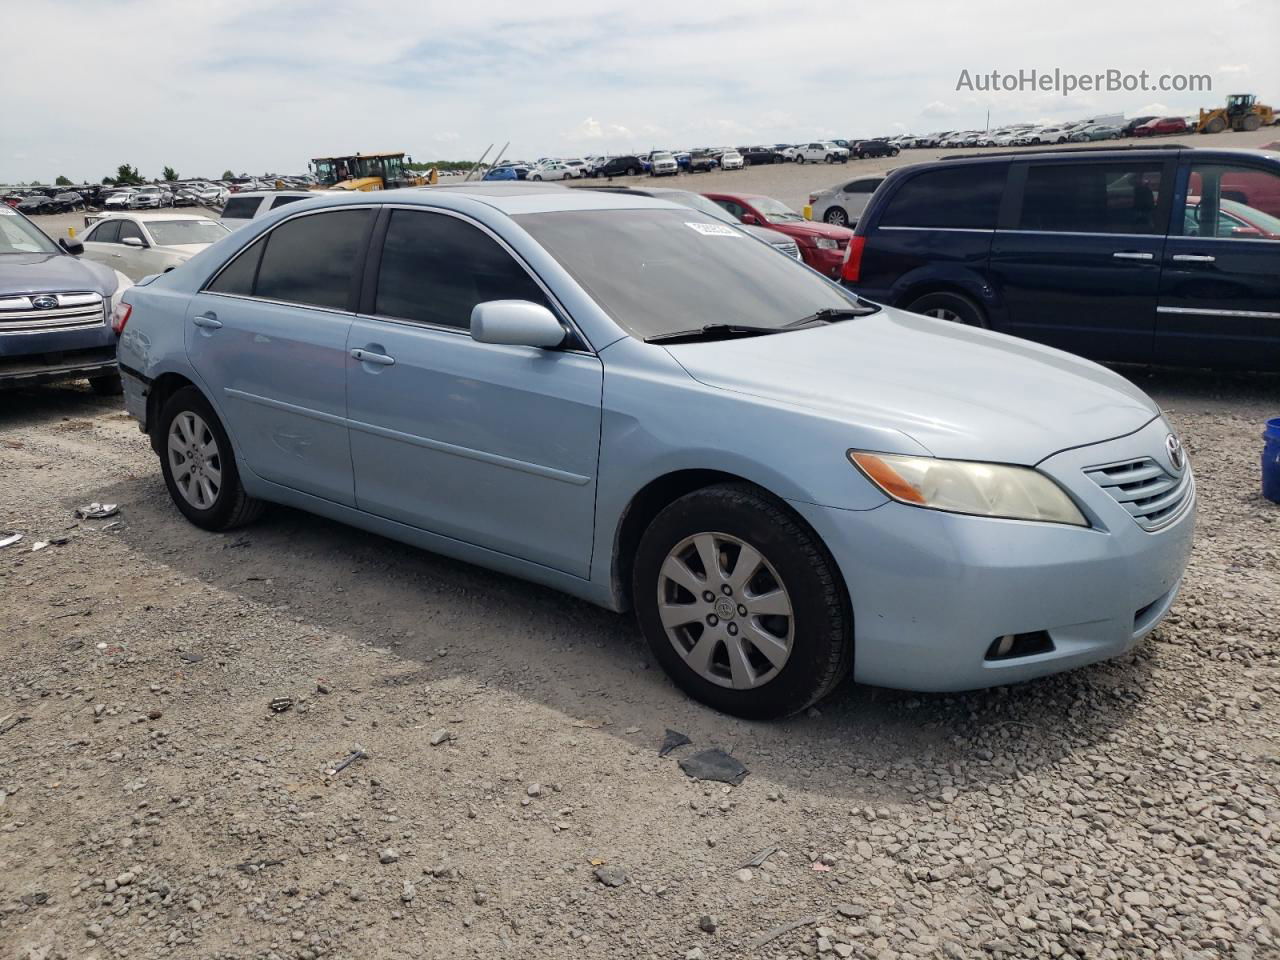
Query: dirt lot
x=153 y=805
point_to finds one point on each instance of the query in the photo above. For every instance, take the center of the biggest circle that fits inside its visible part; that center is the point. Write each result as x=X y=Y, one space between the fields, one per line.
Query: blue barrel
x=1271 y=461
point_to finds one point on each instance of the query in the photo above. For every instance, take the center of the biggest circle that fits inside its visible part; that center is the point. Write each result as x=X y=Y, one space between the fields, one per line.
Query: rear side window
x=435 y=268
x=281 y=201
x=311 y=260
x=962 y=197
x=864 y=186
x=241 y=208
x=1092 y=198
x=237 y=278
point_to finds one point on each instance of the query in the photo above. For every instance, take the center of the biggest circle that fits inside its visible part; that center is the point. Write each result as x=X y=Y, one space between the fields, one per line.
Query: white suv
x=820 y=151
x=551 y=170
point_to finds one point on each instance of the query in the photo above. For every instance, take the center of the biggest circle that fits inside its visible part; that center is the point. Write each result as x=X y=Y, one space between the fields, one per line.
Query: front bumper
x=931 y=591
x=827 y=262
x=30 y=371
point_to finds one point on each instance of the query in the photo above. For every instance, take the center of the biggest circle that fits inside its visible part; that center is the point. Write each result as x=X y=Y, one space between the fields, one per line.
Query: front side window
x=130 y=231
x=106 y=232
x=311 y=260
x=1228 y=201
x=962 y=197
x=1093 y=198
x=435 y=268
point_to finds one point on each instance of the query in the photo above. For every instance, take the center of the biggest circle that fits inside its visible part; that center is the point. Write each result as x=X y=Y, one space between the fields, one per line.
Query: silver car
x=636 y=403
x=139 y=244
x=843 y=203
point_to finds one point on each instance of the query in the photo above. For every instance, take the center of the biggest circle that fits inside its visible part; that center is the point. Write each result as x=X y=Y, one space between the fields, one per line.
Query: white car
x=118 y=200
x=577 y=168
x=822 y=151
x=147 y=198
x=243 y=207
x=731 y=160
x=140 y=244
x=552 y=170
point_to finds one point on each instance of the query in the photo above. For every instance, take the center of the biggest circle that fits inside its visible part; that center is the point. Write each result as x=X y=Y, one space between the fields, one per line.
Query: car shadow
x=866 y=744
x=33 y=406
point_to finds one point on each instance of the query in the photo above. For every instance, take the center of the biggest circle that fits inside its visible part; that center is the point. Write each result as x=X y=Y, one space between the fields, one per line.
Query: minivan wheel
x=199 y=465
x=837 y=216
x=953 y=307
x=741 y=603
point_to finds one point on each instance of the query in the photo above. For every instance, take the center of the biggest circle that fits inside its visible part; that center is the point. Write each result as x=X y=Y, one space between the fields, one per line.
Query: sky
x=264 y=85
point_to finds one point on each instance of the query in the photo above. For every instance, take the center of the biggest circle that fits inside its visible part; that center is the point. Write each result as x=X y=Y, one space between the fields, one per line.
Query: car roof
x=154 y=217
x=1140 y=152
x=284 y=193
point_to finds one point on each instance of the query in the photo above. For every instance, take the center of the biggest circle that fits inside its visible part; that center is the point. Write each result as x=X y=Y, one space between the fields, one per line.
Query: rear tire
x=949 y=306
x=199 y=464
x=836 y=216
x=108 y=385
x=811 y=643
x=632 y=172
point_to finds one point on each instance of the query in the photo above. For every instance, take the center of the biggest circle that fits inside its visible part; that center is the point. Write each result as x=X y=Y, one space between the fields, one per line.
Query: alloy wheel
x=725 y=610
x=195 y=461
x=944 y=313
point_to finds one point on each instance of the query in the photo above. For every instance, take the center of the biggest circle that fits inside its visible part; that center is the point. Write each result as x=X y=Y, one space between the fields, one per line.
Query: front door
x=1220 y=290
x=491 y=445
x=1076 y=259
x=268 y=336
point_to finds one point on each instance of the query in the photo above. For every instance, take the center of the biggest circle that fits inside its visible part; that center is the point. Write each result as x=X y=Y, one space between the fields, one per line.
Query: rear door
x=491 y=445
x=1076 y=260
x=268 y=335
x=1220 y=289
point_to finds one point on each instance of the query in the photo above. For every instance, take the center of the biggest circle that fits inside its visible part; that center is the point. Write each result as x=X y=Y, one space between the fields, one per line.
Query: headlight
x=826 y=243
x=978 y=489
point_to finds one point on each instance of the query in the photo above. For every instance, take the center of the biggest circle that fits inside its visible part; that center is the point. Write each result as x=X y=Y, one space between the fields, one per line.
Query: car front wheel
x=952 y=307
x=741 y=603
x=199 y=465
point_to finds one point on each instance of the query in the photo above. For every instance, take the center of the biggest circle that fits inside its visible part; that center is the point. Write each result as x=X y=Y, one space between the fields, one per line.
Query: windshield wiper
x=830 y=315
x=712 y=331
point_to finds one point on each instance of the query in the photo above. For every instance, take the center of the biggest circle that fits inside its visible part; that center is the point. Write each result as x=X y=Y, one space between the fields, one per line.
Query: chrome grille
x=75 y=311
x=1152 y=495
x=790 y=249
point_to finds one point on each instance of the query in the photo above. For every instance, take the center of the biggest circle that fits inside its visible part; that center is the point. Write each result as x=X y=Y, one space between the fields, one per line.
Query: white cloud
x=1152 y=108
x=593 y=129
x=446 y=136
x=937 y=109
x=1234 y=68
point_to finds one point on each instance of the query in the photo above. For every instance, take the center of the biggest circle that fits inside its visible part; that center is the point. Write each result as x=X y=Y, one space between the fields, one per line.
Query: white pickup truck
x=821 y=151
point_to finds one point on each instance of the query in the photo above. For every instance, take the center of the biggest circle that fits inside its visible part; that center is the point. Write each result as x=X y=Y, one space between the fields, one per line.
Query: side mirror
x=132 y=242
x=750 y=218
x=516 y=323
x=71 y=245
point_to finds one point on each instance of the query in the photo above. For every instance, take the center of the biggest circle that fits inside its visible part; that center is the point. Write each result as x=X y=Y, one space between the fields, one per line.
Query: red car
x=822 y=245
x=1160 y=125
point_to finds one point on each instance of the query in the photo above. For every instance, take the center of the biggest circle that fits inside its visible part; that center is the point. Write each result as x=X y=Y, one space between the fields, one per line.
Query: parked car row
x=1037 y=134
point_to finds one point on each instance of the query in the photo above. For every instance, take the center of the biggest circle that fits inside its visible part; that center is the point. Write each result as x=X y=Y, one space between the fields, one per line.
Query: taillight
x=813 y=198
x=851 y=270
x=119 y=317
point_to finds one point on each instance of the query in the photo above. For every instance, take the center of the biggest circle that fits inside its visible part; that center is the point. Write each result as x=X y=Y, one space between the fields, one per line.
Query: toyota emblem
x=1177 y=458
x=44 y=303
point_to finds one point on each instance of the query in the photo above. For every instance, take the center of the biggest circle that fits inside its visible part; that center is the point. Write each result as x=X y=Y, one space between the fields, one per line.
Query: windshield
x=172 y=233
x=19 y=235
x=698 y=202
x=662 y=271
x=775 y=209
x=663 y=156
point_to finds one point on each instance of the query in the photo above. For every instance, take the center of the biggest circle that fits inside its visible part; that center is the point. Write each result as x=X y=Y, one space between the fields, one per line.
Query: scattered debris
x=253 y=866
x=783 y=930
x=708 y=923
x=154 y=714
x=759 y=859
x=55 y=542
x=716 y=765
x=39 y=898
x=9 y=721
x=357 y=754
x=322 y=686
x=408 y=891
x=611 y=876
x=10 y=540
x=534 y=790
x=389 y=855
x=443 y=735
x=673 y=739
x=189 y=657
x=819 y=867
x=280 y=704
x=97 y=511
x=745 y=875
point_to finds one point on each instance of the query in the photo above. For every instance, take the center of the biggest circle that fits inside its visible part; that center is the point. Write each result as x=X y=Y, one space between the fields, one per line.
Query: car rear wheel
x=836 y=216
x=741 y=603
x=779 y=159
x=199 y=465
x=952 y=307
x=632 y=172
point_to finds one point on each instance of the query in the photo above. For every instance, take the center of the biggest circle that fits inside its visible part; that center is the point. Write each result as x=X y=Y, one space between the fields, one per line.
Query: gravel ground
x=511 y=801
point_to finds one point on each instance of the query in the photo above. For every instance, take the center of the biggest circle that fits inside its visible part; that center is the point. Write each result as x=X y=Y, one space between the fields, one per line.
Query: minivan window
x=281 y=201
x=1113 y=197
x=961 y=197
x=1225 y=200
x=311 y=260
x=241 y=208
x=435 y=268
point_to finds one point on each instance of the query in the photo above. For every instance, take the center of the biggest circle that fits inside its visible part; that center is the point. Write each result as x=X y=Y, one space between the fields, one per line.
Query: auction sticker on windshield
x=8 y=211
x=714 y=230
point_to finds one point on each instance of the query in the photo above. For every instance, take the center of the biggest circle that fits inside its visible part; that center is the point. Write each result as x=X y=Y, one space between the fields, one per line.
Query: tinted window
x=1231 y=201
x=129 y=230
x=281 y=201
x=241 y=208
x=737 y=209
x=312 y=260
x=108 y=232
x=436 y=268
x=1092 y=198
x=238 y=276
x=960 y=197
x=864 y=186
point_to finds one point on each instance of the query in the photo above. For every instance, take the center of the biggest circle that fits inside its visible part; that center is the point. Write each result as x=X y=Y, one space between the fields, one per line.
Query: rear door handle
x=208 y=320
x=365 y=356
x=1133 y=255
x=1193 y=258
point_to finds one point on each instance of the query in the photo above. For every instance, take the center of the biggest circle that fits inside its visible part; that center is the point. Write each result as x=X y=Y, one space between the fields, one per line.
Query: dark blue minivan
x=1167 y=256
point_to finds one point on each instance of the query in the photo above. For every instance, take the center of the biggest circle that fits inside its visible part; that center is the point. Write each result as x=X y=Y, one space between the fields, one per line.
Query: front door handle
x=366 y=356
x=1133 y=255
x=208 y=320
x=1193 y=258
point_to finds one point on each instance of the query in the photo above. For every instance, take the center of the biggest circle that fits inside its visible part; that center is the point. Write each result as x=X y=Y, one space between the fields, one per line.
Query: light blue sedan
x=647 y=408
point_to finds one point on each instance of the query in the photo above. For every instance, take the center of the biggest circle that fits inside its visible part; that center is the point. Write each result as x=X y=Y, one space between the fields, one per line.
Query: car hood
x=53 y=273
x=960 y=392
x=767 y=234
x=811 y=230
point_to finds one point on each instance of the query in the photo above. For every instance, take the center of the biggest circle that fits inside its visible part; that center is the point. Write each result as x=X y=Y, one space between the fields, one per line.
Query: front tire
x=776 y=634
x=949 y=306
x=199 y=464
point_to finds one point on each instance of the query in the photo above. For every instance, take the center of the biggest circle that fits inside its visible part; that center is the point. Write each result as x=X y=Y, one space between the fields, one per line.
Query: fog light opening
x=1010 y=646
